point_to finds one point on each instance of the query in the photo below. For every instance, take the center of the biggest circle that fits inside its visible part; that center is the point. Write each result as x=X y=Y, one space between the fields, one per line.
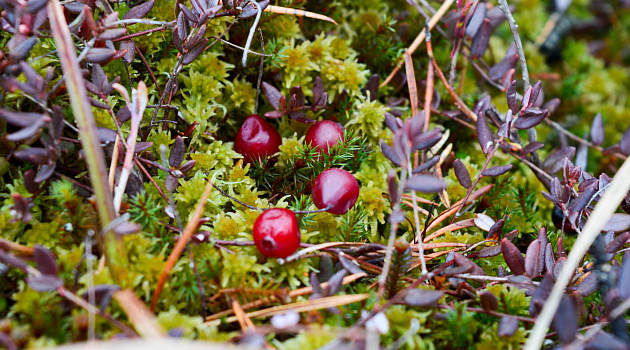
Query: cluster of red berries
x=276 y=231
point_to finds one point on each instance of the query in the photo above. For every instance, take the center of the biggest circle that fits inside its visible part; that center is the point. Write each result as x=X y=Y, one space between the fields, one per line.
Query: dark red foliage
x=276 y=233
x=337 y=189
x=257 y=139
x=324 y=135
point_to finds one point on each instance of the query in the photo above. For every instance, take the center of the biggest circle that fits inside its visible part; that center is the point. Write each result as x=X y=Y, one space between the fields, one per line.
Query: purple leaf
x=530 y=117
x=476 y=18
x=565 y=321
x=191 y=55
x=624 y=277
x=618 y=223
x=488 y=301
x=513 y=257
x=489 y=251
x=531 y=147
x=582 y=200
x=112 y=34
x=425 y=183
x=484 y=135
x=494 y=233
x=597 y=130
x=624 y=144
x=535 y=93
x=426 y=165
x=177 y=152
x=103 y=294
x=12 y=260
x=45 y=260
x=391 y=154
x=100 y=55
x=499 y=70
x=44 y=283
x=273 y=95
x=507 y=326
x=34 y=155
x=497 y=170
x=481 y=40
x=349 y=265
x=423 y=297
x=541 y=294
x=532 y=259
x=588 y=285
x=511 y=97
x=554 y=162
x=462 y=173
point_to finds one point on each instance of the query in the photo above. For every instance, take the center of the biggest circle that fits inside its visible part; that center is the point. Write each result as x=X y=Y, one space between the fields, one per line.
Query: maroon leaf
x=142 y=146
x=532 y=259
x=27 y=132
x=177 y=152
x=497 y=170
x=45 y=260
x=335 y=282
x=33 y=155
x=21 y=119
x=555 y=160
x=482 y=105
x=597 y=130
x=588 y=285
x=511 y=97
x=531 y=147
x=190 y=56
x=541 y=294
x=499 y=70
x=177 y=40
x=582 y=200
x=530 y=117
x=565 y=321
x=371 y=86
x=489 y=251
x=100 y=55
x=112 y=34
x=550 y=261
x=624 y=144
x=480 y=42
x=461 y=260
x=557 y=268
x=249 y=11
x=423 y=297
x=484 y=135
x=513 y=257
x=462 y=173
x=488 y=301
x=44 y=283
x=507 y=326
x=139 y=11
x=272 y=94
x=425 y=183
x=494 y=233
x=533 y=97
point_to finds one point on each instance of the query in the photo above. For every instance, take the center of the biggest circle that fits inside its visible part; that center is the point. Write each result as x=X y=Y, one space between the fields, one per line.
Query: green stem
x=114 y=249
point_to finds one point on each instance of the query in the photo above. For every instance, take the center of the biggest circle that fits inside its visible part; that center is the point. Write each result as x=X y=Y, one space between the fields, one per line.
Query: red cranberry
x=257 y=139
x=336 y=188
x=324 y=135
x=276 y=233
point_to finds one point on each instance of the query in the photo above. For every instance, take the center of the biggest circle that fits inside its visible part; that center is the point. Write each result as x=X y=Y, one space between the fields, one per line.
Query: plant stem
x=113 y=248
x=505 y=8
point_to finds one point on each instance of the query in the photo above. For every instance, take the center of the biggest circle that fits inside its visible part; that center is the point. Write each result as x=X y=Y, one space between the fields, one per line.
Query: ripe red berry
x=324 y=135
x=257 y=139
x=336 y=188
x=276 y=233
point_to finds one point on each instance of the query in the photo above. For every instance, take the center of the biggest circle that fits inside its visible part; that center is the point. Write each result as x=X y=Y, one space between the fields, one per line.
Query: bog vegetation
x=438 y=171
